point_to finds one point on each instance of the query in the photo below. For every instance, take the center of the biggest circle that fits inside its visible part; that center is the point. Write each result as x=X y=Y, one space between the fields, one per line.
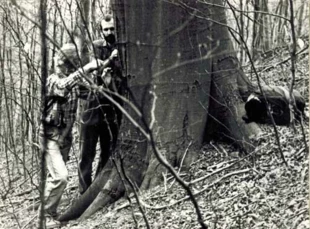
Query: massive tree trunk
x=177 y=60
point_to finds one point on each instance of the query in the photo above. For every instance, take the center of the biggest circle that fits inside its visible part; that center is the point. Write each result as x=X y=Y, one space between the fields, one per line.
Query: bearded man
x=100 y=118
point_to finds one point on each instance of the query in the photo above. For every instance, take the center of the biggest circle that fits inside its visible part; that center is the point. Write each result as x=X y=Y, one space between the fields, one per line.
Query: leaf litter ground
x=253 y=191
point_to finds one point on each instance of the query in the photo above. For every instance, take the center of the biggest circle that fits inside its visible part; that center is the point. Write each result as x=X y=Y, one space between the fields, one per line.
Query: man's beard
x=110 y=39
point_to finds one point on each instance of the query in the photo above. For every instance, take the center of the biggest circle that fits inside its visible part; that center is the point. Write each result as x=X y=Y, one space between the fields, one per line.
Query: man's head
x=66 y=59
x=108 y=29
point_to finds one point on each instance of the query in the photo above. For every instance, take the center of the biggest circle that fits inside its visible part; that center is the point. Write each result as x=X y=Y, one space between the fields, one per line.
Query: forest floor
x=253 y=191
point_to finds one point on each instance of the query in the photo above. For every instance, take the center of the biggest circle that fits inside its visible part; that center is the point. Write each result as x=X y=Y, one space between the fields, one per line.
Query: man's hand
x=94 y=64
x=97 y=63
x=61 y=142
x=114 y=54
x=106 y=76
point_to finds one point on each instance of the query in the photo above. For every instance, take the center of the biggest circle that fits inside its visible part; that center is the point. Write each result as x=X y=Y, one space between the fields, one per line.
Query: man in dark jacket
x=100 y=118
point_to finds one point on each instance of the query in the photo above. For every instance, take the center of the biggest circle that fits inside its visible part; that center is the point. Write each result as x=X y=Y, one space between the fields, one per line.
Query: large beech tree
x=186 y=81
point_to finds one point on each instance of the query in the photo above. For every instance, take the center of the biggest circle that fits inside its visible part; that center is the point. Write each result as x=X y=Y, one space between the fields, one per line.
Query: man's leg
x=108 y=138
x=57 y=179
x=88 y=142
x=66 y=148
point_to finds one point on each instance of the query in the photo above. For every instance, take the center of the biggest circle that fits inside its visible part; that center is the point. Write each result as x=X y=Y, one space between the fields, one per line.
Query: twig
x=34 y=206
x=127 y=192
x=25 y=226
x=301 y=211
x=25 y=192
x=213 y=173
x=304 y=133
x=218 y=150
x=135 y=194
x=184 y=155
x=14 y=214
x=165 y=181
x=248 y=11
x=125 y=205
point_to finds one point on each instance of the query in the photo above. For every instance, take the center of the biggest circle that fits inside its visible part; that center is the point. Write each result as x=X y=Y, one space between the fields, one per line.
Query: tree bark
x=230 y=88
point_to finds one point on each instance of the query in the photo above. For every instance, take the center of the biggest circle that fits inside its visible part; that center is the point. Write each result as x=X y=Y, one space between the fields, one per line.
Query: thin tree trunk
x=33 y=90
x=11 y=109
x=84 y=39
x=4 y=138
x=23 y=132
x=300 y=19
x=242 y=31
x=255 y=36
x=44 y=74
x=1 y=100
x=266 y=26
x=54 y=38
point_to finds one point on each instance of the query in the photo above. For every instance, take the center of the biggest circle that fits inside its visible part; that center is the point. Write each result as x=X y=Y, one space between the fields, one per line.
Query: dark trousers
x=106 y=132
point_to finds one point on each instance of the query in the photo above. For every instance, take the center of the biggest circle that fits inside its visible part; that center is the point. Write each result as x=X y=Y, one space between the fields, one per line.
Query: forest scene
x=154 y=114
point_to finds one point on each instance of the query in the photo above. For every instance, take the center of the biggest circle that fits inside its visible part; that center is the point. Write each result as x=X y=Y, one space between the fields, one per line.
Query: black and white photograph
x=156 y=114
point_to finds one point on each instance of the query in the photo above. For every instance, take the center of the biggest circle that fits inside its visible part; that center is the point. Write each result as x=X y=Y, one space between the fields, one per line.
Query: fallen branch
x=25 y=226
x=25 y=192
x=213 y=173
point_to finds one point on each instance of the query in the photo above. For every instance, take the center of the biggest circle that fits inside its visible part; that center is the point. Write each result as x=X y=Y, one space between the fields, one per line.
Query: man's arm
x=77 y=76
x=61 y=86
x=109 y=61
x=84 y=91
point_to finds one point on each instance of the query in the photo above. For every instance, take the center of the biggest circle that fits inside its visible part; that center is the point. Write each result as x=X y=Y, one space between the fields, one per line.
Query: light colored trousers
x=55 y=159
